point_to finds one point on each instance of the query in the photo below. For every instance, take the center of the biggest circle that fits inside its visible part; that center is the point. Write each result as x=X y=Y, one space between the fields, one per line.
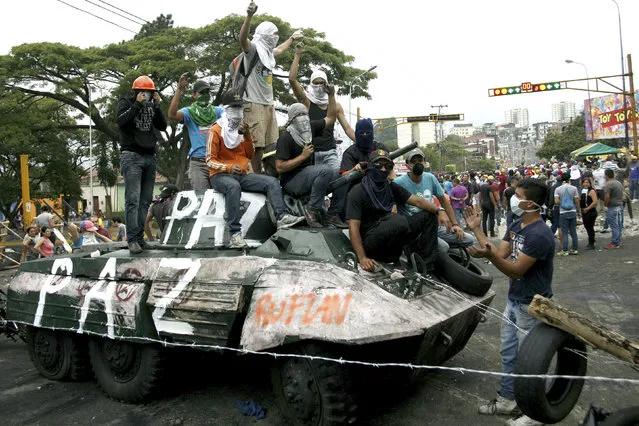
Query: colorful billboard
x=610 y=117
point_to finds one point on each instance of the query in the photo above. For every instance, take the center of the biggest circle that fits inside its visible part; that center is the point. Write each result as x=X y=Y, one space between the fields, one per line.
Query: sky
x=426 y=53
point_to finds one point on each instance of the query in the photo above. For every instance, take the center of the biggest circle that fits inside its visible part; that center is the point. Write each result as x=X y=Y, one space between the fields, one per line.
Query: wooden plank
x=584 y=329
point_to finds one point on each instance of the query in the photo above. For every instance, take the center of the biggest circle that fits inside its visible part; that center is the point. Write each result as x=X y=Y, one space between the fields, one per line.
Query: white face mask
x=271 y=40
x=514 y=206
x=302 y=124
x=234 y=116
x=318 y=90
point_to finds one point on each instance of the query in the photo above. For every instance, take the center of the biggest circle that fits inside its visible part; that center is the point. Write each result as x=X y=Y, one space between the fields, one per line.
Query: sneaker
x=500 y=405
x=573 y=252
x=135 y=248
x=144 y=244
x=237 y=241
x=523 y=420
x=562 y=253
x=313 y=218
x=288 y=220
x=603 y=231
x=336 y=221
x=590 y=247
x=612 y=246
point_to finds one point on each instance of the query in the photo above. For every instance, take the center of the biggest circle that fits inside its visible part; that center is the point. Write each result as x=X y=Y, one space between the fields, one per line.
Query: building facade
x=517 y=116
x=563 y=112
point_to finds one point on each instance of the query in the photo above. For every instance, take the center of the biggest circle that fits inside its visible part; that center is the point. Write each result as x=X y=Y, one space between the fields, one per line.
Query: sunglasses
x=385 y=166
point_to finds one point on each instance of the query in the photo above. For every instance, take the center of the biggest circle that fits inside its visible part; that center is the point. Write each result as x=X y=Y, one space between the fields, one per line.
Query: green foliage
x=452 y=153
x=456 y=139
x=42 y=129
x=386 y=133
x=559 y=144
x=71 y=76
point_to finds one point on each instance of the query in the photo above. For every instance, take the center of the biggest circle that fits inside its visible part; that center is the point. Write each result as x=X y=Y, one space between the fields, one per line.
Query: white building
x=563 y=112
x=517 y=116
x=422 y=132
x=462 y=130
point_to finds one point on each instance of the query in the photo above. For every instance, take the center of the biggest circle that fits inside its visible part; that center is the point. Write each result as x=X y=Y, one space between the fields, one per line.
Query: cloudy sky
x=426 y=53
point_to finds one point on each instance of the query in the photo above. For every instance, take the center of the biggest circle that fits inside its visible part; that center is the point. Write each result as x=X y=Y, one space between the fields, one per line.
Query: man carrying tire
x=525 y=255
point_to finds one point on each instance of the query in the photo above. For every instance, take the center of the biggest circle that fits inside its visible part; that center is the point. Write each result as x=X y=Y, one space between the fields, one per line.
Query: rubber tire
x=333 y=402
x=70 y=363
x=137 y=379
x=534 y=357
x=624 y=417
x=473 y=279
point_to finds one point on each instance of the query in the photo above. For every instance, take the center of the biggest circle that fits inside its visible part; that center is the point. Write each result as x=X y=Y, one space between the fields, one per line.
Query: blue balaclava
x=364 y=142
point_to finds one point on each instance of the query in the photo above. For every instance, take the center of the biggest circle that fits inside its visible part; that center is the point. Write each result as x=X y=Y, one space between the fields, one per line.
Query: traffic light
x=526 y=88
x=541 y=87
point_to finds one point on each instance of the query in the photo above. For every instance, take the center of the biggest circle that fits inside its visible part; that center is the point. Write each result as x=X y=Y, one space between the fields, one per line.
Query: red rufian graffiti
x=332 y=309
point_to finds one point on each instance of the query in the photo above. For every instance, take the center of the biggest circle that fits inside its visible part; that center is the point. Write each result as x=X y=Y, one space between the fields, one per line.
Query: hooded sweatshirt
x=137 y=122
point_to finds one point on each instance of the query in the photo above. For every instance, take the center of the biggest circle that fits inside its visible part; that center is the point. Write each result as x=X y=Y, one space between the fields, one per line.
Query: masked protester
x=260 y=110
x=299 y=175
x=425 y=185
x=526 y=256
x=198 y=118
x=315 y=99
x=139 y=116
x=229 y=151
x=376 y=232
x=160 y=209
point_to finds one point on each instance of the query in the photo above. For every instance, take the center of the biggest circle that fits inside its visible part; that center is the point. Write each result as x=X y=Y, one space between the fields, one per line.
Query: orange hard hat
x=143 y=82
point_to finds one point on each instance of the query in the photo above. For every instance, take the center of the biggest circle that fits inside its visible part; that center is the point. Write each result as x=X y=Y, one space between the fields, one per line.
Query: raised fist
x=183 y=81
x=252 y=8
x=330 y=89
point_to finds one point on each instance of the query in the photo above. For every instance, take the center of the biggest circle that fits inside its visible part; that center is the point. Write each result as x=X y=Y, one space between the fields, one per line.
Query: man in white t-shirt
x=259 y=112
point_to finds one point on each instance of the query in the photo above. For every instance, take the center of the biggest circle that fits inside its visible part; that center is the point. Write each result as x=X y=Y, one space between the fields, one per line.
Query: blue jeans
x=511 y=339
x=327 y=158
x=313 y=180
x=614 y=218
x=568 y=225
x=139 y=177
x=445 y=239
x=233 y=185
x=634 y=189
x=459 y=215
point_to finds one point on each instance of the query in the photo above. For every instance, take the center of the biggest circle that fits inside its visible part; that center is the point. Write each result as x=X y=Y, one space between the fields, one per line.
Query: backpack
x=567 y=202
x=239 y=74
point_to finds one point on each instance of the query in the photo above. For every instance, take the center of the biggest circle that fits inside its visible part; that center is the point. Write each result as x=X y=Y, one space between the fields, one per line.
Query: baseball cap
x=231 y=98
x=201 y=85
x=414 y=153
x=379 y=154
x=168 y=190
x=490 y=177
x=87 y=225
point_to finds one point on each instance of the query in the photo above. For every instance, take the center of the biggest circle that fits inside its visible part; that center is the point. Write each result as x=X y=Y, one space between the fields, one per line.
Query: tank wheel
x=58 y=355
x=471 y=279
x=127 y=372
x=549 y=401
x=313 y=392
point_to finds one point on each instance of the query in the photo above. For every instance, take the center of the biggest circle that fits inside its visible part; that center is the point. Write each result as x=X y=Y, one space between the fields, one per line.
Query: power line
x=114 y=12
x=96 y=16
x=122 y=10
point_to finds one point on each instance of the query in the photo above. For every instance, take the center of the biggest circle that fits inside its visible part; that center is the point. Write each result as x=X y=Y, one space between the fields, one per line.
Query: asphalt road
x=602 y=285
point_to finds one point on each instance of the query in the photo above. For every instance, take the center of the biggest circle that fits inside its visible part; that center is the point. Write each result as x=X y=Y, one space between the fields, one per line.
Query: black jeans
x=589 y=223
x=488 y=214
x=386 y=239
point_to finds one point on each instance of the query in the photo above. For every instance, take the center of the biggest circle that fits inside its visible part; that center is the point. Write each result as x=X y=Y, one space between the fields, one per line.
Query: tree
x=386 y=133
x=559 y=144
x=73 y=76
x=456 y=139
x=42 y=129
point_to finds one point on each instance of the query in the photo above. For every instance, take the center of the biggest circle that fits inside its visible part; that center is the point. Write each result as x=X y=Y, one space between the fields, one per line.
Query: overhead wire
x=114 y=12
x=96 y=16
x=124 y=11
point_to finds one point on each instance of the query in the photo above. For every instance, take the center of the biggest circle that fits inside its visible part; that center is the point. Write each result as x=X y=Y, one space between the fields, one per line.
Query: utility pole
x=441 y=148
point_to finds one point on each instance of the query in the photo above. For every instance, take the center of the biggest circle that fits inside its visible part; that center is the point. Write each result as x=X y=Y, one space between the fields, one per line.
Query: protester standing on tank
x=139 y=119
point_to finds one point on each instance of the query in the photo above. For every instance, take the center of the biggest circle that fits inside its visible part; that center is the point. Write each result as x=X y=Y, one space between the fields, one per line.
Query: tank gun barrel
x=356 y=175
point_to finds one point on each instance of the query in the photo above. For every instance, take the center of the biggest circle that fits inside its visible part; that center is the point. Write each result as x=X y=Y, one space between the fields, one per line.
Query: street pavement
x=603 y=285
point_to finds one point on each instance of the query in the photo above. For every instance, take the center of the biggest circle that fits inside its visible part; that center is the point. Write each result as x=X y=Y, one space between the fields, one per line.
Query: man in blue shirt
x=198 y=119
x=526 y=256
x=425 y=185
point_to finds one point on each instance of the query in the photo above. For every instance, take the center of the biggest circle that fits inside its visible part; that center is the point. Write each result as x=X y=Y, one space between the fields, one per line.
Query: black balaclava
x=376 y=185
x=418 y=169
x=364 y=143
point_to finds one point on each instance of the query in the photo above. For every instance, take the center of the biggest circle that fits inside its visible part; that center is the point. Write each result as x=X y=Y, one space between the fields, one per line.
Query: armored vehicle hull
x=299 y=292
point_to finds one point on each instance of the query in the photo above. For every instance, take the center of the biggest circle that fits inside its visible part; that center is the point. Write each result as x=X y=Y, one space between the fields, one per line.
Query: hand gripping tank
x=295 y=291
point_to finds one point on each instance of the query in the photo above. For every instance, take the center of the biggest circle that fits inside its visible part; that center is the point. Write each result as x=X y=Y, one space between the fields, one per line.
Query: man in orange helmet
x=138 y=115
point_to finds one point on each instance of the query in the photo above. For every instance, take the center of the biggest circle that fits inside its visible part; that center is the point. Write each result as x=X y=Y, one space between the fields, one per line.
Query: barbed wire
x=275 y=355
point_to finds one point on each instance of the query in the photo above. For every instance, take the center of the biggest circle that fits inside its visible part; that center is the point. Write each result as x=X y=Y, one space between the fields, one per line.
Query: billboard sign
x=610 y=117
